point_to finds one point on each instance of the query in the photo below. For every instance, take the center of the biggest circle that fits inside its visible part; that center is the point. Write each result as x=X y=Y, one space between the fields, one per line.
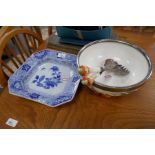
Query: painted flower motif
x=75 y=78
x=26 y=67
x=47 y=83
x=55 y=68
x=61 y=99
x=17 y=85
x=38 y=79
x=34 y=95
x=40 y=55
x=56 y=75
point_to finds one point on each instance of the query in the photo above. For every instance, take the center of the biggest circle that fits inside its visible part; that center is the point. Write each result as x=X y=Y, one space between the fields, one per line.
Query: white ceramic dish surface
x=49 y=77
x=132 y=57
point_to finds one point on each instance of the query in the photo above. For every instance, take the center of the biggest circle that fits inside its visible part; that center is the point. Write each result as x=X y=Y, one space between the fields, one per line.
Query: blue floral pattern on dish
x=34 y=95
x=47 y=83
x=26 y=67
x=75 y=78
x=18 y=86
x=61 y=99
x=55 y=68
x=40 y=55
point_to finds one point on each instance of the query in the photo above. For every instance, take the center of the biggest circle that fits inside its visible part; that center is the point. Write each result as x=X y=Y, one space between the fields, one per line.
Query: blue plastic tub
x=81 y=37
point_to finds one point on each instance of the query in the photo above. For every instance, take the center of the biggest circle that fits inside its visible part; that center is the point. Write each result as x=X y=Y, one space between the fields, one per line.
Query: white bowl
x=132 y=57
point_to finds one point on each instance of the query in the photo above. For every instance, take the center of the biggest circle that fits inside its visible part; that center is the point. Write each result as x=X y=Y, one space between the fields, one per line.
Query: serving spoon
x=109 y=65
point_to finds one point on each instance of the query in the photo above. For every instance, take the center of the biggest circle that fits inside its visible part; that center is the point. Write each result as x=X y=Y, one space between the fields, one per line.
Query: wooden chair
x=17 y=44
x=38 y=30
x=5 y=29
x=44 y=33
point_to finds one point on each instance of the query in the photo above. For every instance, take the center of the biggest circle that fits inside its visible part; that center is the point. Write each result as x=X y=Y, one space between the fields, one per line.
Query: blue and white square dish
x=49 y=77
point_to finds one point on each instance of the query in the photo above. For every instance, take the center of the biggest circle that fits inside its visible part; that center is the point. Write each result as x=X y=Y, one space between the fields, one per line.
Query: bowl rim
x=115 y=88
